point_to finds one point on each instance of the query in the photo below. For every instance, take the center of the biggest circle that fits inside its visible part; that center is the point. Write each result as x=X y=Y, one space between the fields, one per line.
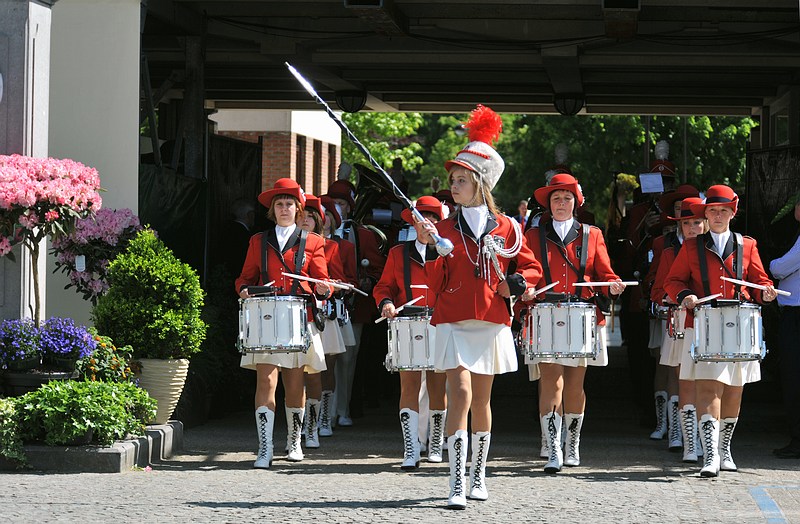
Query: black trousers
x=790 y=368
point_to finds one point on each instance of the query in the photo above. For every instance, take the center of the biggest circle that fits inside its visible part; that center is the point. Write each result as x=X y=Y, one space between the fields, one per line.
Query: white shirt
x=283 y=234
x=476 y=218
x=721 y=240
x=421 y=248
x=787 y=269
x=561 y=228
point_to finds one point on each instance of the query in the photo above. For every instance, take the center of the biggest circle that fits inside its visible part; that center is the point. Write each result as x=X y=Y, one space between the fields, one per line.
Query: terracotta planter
x=163 y=380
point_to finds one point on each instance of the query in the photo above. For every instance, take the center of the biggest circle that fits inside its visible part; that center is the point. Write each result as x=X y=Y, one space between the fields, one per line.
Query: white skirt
x=729 y=373
x=672 y=349
x=332 y=341
x=601 y=341
x=313 y=360
x=481 y=347
x=348 y=336
x=657 y=328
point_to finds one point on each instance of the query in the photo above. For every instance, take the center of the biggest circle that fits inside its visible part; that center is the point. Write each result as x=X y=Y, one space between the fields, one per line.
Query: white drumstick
x=709 y=298
x=419 y=286
x=757 y=286
x=410 y=302
x=318 y=281
x=626 y=282
x=546 y=288
x=269 y=283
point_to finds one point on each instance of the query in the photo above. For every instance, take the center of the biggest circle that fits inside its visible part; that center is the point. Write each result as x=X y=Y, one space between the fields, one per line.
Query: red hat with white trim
x=478 y=155
x=719 y=195
x=561 y=181
x=425 y=203
x=283 y=186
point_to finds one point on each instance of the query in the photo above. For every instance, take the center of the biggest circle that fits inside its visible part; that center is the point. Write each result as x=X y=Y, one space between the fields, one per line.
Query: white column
x=94 y=110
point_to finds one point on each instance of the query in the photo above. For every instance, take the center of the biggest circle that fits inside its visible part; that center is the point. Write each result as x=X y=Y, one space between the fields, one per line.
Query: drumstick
x=269 y=283
x=337 y=285
x=757 y=286
x=627 y=283
x=418 y=286
x=546 y=288
x=708 y=298
x=410 y=302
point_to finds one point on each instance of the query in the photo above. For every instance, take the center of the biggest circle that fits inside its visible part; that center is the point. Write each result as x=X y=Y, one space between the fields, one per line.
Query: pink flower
x=5 y=246
x=51 y=215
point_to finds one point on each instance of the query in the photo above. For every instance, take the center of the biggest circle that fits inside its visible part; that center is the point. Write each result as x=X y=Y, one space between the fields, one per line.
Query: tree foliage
x=386 y=136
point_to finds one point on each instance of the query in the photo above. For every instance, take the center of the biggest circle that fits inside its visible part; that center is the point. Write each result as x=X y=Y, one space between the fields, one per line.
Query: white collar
x=562 y=227
x=421 y=248
x=721 y=240
x=283 y=233
x=476 y=218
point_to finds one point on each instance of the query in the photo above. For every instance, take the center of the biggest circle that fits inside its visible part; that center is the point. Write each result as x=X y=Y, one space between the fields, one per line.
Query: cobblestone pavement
x=355 y=477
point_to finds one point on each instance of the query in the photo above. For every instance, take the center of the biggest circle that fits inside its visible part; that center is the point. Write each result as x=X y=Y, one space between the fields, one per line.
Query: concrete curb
x=158 y=444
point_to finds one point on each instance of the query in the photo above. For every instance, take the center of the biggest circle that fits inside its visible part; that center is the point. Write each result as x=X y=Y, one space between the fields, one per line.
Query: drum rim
x=550 y=305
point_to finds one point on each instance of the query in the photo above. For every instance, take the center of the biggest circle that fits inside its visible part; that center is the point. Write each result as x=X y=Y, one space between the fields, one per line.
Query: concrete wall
x=94 y=109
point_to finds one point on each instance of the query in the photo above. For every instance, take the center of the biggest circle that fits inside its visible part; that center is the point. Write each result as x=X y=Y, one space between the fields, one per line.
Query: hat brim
x=408 y=216
x=542 y=194
x=265 y=198
x=450 y=164
x=668 y=200
x=346 y=197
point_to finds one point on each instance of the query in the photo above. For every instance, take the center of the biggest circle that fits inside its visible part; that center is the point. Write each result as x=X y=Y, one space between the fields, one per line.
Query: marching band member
x=347 y=256
x=569 y=252
x=666 y=381
x=405 y=266
x=369 y=267
x=672 y=350
x=473 y=284
x=331 y=336
x=283 y=248
x=697 y=269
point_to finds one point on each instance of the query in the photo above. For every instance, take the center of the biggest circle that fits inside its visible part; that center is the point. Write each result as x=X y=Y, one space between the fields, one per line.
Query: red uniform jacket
x=664 y=262
x=460 y=295
x=684 y=277
x=278 y=262
x=347 y=254
x=598 y=264
x=334 y=260
x=364 y=309
x=392 y=288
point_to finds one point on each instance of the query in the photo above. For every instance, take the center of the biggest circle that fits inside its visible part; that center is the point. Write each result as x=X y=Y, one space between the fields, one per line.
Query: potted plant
x=153 y=304
x=62 y=343
x=19 y=345
x=106 y=363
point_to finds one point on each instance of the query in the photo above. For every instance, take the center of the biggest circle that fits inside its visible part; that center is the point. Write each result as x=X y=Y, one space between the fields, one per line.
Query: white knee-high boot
x=457 y=455
x=661 y=416
x=709 y=432
x=294 y=426
x=477 y=468
x=325 y=426
x=727 y=425
x=544 y=450
x=409 y=424
x=673 y=422
x=265 y=422
x=572 y=454
x=436 y=435
x=689 y=431
x=311 y=422
x=552 y=423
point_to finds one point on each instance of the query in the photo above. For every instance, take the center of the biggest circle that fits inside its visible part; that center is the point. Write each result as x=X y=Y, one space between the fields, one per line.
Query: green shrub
x=154 y=302
x=10 y=441
x=107 y=363
x=62 y=412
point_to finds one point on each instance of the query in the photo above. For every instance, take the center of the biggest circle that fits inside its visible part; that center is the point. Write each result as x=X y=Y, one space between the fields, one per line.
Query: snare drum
x=560 y=330
x=662 y=312
x=273 y=324
x=675 y=322
x=728 y=334
x=411 y=344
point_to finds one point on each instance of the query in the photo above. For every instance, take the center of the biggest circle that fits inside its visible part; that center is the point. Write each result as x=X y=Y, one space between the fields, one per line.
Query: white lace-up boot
x=436 y=435
x=265 y=422
x=457 y=455
x=409 y=424
x=544 y=451
x=689 y=431
x=674 y=425
x=572 y=454
x=661 y=416
x=727 y=425
x=477 y=468
x=325 y=426
x=552 y=423
x=311 y=422
x=294 y=425
x=709 y=430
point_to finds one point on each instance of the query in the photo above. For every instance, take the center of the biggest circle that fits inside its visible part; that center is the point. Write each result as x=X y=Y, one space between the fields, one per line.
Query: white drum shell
x=411 y=342
x=728 y=334
x=560 y=330
x=274 y=324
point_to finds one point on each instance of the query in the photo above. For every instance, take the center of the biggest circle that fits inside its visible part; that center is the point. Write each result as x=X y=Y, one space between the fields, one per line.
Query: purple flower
x=61 y=338
x=19 y=340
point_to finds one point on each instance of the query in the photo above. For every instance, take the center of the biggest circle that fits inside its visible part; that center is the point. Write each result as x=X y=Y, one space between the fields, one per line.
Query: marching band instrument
x=756 y=286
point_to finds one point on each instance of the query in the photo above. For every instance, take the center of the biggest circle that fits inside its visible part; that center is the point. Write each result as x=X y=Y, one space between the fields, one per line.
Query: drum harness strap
x=584 y=253
x=737 y=264
x=407 y=269
x=299 y=259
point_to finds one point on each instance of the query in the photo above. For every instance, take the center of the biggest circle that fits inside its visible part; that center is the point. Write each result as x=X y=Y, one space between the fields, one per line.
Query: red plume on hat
x=484 y=126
